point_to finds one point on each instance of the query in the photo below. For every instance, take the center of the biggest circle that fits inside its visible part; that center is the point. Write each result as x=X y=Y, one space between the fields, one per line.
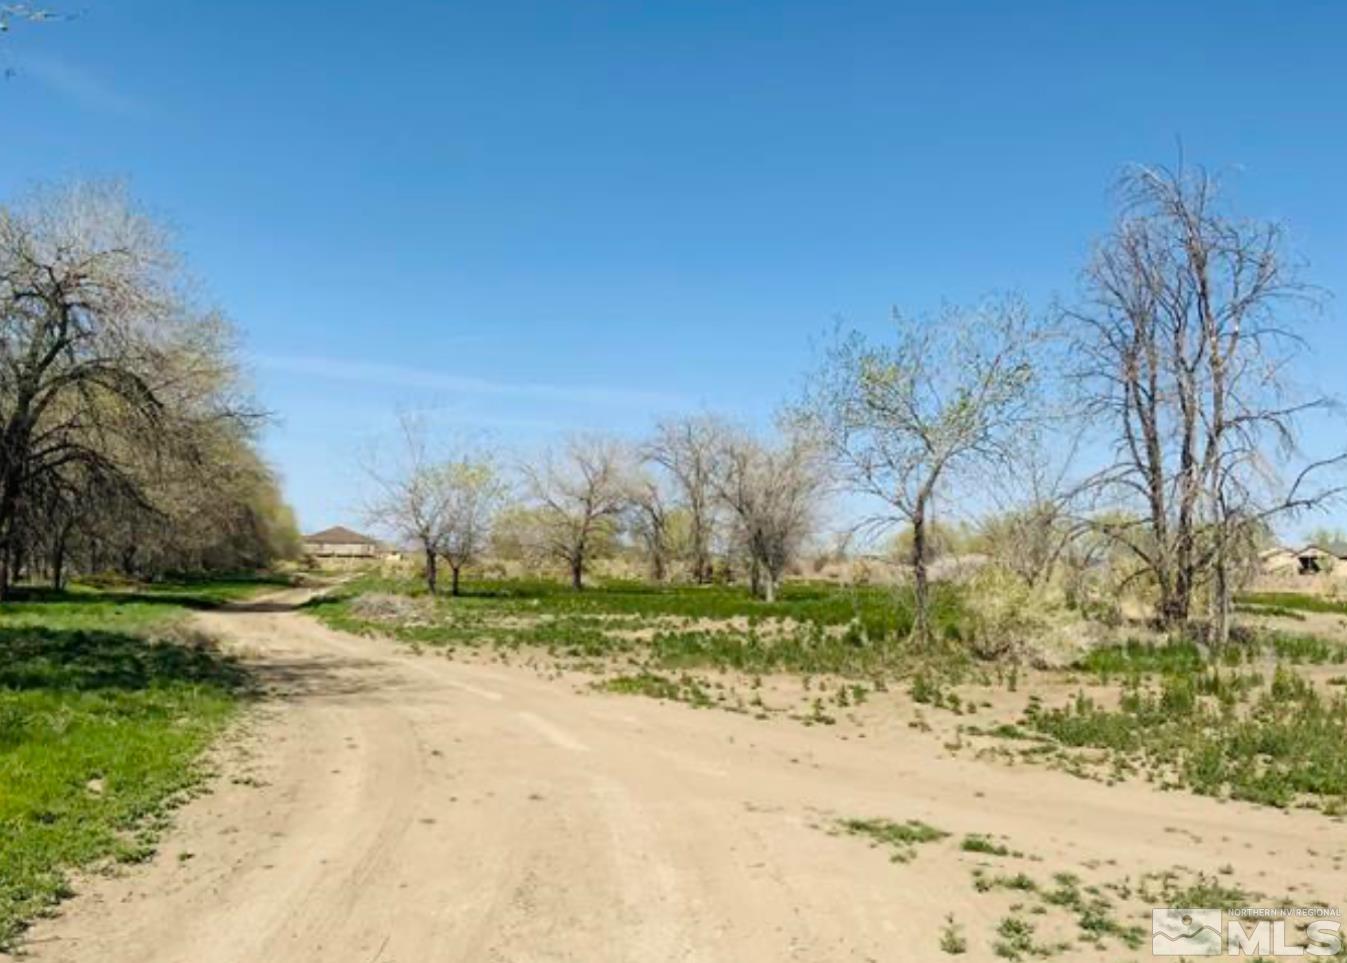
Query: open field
x=809 y=629
x=393 y=804
x=1262 y=721
x=107 y=698
x=722 y=483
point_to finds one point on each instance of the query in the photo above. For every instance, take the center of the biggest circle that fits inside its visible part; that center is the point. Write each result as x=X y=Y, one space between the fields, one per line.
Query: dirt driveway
x=386 y=807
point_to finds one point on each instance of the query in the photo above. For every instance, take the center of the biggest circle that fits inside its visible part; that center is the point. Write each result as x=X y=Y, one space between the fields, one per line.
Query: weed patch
x=902 y=839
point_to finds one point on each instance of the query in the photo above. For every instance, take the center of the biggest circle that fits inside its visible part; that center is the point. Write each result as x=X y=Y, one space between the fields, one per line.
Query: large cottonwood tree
x=1186 y=336
x=108 y=369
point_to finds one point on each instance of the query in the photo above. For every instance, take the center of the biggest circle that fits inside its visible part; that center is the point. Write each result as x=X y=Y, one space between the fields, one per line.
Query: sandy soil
x=385 y=807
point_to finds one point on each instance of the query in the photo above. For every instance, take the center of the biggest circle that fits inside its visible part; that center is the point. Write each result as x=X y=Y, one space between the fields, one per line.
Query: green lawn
x=103 y=715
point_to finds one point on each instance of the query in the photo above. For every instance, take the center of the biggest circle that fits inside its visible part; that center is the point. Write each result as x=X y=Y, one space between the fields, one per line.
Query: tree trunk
x=58 y=563
x=755 y=578
x=8 y=513
x=453 y=580
x=16 y=571
x=1220 y=623
x=432 y=572
x=768 y=586
x=701 y=562
x=578 y=573
x=921 y=623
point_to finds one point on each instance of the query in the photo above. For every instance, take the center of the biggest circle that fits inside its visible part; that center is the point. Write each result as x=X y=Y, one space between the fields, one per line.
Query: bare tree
x=773 y=492
x=1187 y=337
x=476 y=493
x=900 y=420
x=414 y=492
x=652 y=518
x=579 y=494
x=686 y=448
x=1036 y=496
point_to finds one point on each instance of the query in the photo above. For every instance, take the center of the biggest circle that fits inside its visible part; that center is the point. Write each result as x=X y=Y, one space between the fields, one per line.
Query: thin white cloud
x=77 y=84
x=401 y=376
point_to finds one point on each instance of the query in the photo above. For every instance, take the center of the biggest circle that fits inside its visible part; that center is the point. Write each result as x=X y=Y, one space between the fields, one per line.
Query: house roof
x=340 y=535
x=1338 y=549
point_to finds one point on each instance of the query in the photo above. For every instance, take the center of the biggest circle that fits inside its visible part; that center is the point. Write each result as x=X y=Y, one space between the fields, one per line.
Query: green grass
x=1273 y=611
x=811 y=628
x=952 y=940
x=100 y=729
x=979 y=843
x=902 y=838
x=1293 y=601
x=1218 y=730
x=1016 y=940
x=655 y=686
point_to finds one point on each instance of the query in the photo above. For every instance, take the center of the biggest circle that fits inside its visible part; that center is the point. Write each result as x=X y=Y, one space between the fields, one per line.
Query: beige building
x=1279 y=561
x=1327 y=559
x=341 y=543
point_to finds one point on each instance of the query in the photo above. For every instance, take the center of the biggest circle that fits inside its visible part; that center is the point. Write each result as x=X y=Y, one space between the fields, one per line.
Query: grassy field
x=1293 y=602
x=1265 y=721
x=811 y=628
x=106 y=703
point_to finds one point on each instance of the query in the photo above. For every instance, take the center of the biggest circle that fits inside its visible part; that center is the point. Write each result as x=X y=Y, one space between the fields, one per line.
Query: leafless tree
x=476 y=492
x=1037 y=499
x=901 y=420
x=1186 y=337
x=773 y=493
x=414 y=494
x=686 y=448
x=652 y=517
x=579 y=493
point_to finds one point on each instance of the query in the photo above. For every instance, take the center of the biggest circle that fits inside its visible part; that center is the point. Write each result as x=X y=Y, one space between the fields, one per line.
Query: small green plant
x=902 y=838
x=657 y=686
x=978 y=843
x=1016 y=939
x=952 y=940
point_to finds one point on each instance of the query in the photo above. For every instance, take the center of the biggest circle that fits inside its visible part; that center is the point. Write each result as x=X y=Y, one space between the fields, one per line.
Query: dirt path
x=397 y=808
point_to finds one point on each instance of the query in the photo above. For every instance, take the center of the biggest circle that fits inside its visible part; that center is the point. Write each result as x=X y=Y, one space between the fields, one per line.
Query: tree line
x=700 y=490
x=126 y=433
x=1148 y=426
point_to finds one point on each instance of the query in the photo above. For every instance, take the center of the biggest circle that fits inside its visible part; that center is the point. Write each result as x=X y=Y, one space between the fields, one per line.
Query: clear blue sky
x=545 y=216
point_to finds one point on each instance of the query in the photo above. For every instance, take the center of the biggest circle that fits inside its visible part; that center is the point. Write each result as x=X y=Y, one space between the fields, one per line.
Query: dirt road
x=396 y=808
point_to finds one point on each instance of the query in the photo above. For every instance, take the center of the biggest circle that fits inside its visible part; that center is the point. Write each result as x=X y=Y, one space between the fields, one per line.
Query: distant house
x=1316 y=559
x=1279 y=561
x=341 y=543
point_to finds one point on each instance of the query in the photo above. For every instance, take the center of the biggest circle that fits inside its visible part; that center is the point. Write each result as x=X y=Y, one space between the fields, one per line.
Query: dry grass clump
x=389 y=608
x=1007 y=620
